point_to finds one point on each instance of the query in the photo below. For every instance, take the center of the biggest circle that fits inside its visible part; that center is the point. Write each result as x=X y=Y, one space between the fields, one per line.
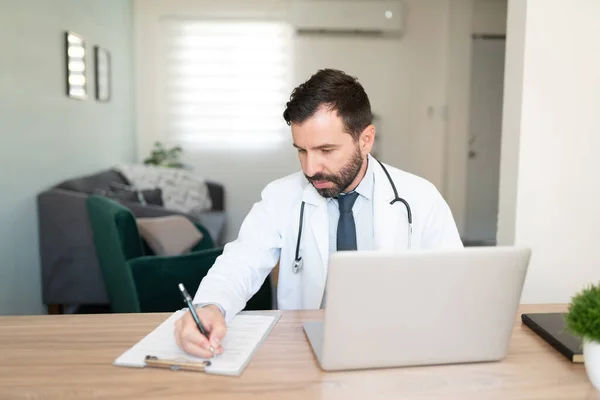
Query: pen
x=188 y=300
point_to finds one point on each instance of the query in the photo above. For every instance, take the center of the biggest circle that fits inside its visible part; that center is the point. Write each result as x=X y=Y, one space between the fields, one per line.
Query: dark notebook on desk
x=552 y=328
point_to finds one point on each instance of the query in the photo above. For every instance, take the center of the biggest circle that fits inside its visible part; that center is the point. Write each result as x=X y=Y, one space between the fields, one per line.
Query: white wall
x=551 y=132
x=46 y=137
x=404 y=77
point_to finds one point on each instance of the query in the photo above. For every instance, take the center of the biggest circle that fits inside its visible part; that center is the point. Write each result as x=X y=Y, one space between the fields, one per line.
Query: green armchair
x=137 y=280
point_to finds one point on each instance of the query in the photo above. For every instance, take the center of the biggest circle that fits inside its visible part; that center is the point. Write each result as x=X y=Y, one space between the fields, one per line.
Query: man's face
x=331 y=159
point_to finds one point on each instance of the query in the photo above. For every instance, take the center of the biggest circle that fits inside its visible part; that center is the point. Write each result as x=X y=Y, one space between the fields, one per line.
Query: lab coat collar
x=311 y=196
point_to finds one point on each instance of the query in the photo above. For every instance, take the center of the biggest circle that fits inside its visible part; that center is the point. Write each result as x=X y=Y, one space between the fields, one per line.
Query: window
x=225 y=83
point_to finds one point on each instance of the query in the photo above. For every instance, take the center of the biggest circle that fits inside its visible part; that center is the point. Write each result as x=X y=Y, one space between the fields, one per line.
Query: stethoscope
x=298 y=262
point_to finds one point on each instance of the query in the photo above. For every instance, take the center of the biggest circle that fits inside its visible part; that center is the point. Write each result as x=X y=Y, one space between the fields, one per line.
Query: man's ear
x=366 y=139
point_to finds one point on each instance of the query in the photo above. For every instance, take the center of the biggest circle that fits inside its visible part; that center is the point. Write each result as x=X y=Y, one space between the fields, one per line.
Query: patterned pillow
x=182 y=190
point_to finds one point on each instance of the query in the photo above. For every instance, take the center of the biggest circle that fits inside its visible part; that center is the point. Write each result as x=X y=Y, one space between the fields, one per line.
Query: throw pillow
x=169 y=236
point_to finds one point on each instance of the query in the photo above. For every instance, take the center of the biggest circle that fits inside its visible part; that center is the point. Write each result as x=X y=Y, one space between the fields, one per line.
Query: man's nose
x=312 y=165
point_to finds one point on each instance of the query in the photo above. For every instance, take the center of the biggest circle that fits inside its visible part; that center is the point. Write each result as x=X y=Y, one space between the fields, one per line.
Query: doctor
x=343 y=199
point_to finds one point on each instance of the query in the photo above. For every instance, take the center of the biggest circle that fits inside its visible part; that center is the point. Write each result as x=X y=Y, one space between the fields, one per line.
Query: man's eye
x=301 y=151
x=327 y=151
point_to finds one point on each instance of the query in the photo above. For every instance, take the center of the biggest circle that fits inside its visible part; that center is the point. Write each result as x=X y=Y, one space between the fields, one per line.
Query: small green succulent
x=583 y=316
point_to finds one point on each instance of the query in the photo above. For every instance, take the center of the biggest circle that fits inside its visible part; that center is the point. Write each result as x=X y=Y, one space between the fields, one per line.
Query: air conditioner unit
x=373 y=16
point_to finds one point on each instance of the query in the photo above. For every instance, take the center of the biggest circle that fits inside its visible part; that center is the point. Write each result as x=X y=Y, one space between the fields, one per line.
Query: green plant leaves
x=583 y=317
x=163 y=157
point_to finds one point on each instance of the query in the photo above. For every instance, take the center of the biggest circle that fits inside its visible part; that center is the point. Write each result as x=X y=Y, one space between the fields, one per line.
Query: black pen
x=188 y=300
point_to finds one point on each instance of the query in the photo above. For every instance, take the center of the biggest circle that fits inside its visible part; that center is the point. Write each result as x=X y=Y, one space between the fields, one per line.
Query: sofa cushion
x=170 y=235
x=132 y=195
x=90 y=183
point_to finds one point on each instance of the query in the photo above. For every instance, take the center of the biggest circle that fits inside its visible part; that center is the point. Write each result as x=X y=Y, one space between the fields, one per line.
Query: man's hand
x=189 y=338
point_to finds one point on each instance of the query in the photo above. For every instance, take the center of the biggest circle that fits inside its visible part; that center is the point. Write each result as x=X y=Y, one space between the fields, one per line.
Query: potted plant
x=583 y=320
x=164 y=157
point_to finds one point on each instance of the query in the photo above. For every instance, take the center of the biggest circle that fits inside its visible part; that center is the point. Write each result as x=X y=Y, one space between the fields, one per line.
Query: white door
x=483 y=166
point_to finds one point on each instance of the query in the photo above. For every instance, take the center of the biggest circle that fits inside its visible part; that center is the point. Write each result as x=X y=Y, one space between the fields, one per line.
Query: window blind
x=225 y=82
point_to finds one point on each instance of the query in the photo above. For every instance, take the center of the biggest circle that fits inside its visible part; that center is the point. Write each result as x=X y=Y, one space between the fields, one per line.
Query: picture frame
x=75 y=55
x=102 y=72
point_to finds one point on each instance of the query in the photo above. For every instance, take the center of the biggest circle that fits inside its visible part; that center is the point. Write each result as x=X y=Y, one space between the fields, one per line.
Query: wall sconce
x=76 y=67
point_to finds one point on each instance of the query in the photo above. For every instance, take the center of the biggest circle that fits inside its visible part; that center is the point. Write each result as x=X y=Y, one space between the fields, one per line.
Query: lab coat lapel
x=386 y=217
x=319 y=223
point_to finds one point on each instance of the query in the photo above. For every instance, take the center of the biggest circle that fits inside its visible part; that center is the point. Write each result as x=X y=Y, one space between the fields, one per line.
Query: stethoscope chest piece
x=297 y=266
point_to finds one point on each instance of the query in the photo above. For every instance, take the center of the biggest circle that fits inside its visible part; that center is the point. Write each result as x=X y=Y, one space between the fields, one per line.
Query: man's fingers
x=217 y=333
x=191 y=334
x=189 y=338
x=215 y=325
x=195 y=350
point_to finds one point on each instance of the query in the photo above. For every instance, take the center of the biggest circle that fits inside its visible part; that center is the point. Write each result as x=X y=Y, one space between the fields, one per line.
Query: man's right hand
x=189 y=338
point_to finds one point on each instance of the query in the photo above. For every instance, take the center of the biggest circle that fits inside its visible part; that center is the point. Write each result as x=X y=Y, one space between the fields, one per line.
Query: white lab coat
x=270 y=231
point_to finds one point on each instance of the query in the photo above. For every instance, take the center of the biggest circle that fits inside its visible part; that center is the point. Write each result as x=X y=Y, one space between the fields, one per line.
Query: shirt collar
x=365 y=187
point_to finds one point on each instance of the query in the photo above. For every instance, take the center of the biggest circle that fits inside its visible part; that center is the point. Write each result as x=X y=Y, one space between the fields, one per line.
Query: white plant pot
x=591 y=357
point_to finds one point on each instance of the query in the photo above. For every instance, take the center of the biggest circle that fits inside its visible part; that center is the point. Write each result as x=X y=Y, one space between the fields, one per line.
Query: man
x=343 y=198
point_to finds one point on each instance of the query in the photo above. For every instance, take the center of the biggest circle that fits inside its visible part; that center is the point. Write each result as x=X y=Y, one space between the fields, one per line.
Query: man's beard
x=342 y=179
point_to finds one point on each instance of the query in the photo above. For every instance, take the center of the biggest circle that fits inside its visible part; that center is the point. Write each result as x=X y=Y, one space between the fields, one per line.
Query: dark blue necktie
x=346 y=230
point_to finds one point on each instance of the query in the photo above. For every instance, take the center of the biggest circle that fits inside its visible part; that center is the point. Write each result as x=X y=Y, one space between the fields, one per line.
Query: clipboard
x=176 y=364
x=246 y=333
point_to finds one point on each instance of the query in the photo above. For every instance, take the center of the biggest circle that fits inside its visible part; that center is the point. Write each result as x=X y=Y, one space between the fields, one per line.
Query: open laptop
x=418 y=307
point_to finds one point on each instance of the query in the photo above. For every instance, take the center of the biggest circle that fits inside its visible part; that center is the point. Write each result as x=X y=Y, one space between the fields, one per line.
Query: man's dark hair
x=338 y=92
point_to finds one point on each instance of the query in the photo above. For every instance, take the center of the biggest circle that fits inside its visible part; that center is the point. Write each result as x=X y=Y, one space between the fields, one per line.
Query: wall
x=551 y=125
x=46 y=137
x=404 y=77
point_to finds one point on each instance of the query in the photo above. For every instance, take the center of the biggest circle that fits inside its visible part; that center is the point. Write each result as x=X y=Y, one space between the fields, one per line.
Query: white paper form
x=244 y=335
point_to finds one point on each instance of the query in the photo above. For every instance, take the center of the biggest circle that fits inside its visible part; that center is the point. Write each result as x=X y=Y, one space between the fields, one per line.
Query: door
x=485 y=129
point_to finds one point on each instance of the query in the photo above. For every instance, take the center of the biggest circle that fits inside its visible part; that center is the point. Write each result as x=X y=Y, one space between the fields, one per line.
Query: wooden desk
x=70 y=357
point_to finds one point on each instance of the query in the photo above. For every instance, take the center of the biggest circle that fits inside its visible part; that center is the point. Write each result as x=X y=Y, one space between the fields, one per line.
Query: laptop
x=422 y=307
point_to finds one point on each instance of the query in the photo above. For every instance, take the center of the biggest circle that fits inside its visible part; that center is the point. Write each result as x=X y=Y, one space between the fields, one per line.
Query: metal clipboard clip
x=179 y=364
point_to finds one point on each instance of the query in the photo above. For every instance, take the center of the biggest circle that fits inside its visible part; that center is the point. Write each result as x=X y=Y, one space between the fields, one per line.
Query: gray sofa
x=71 y=276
